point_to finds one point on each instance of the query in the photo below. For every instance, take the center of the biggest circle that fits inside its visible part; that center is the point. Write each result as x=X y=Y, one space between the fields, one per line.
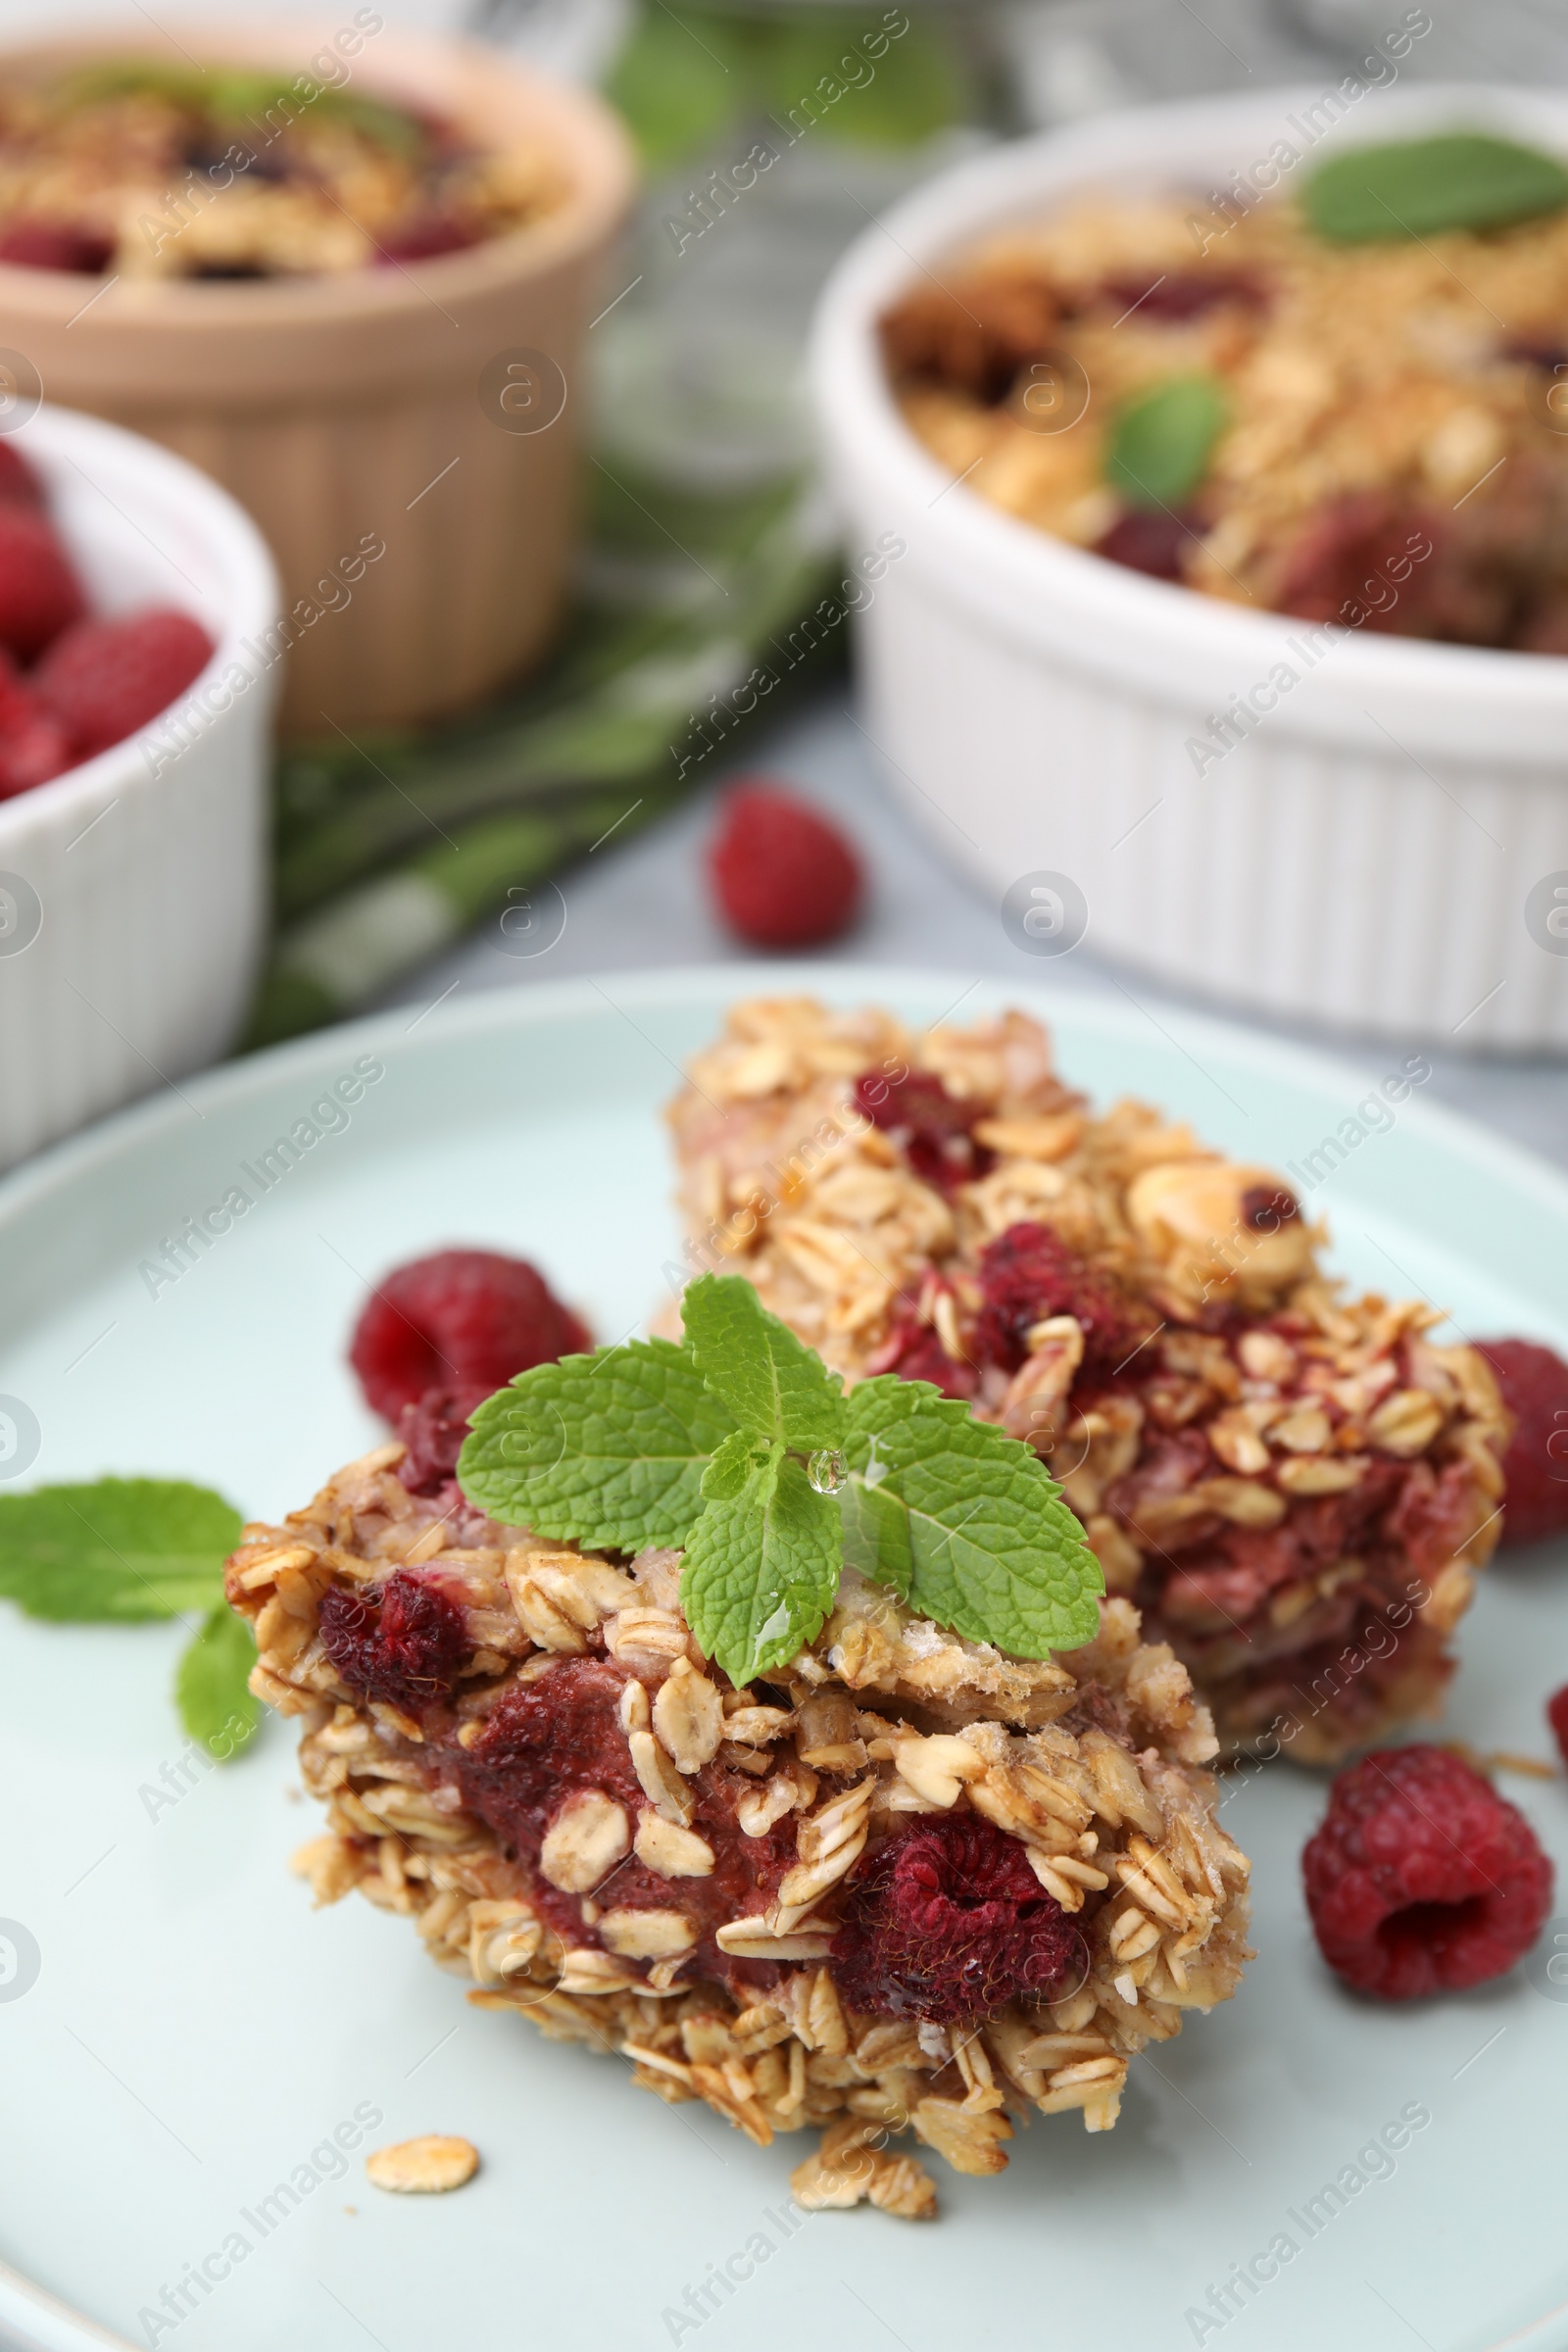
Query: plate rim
x=535 y=1003
x=34 y=2320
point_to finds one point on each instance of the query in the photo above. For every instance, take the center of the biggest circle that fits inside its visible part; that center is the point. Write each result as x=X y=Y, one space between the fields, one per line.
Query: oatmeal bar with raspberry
x=905 y=1883
x=1296 y=1487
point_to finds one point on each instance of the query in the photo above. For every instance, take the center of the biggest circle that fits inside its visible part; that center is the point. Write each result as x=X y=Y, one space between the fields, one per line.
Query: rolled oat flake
x=423 y=2166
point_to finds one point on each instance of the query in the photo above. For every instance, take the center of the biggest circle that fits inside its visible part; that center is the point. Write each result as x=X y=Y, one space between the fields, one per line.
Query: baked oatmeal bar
x=906 y=1884
x=1387 y=454
x=1296 y=1487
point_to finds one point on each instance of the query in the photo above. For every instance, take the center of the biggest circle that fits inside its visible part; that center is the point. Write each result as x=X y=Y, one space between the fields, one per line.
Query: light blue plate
x=195 y=2034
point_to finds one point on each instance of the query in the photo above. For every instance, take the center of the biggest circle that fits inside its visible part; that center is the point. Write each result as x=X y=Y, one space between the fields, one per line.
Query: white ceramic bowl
x=133 y=888
x=1365 y=856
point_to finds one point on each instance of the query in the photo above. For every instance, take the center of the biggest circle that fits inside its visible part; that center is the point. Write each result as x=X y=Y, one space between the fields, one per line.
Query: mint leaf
x=1162 y=442
x=731 y=1466
x=606 y=1450
x=762 y=1566
x=772 y=1382
x=211 y=1686
x=963 y=1522
x=121 y=1548
x=1459 y=179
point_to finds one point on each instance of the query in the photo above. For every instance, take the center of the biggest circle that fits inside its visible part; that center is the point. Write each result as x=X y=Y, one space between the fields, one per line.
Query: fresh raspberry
x=433 y=1431
x=1534 y=1389
x=33 y=745
x=462 y=1319
x=1028 y=1273
x=18 y=484
x=34 y=753
x=50 y=245
x=930 y=1127
x=1557 y=1717
x=40 y=592
x=1421 y=1878
x=106 y=678
x=401 y=1643
x=948 y=1921
x=783 y=875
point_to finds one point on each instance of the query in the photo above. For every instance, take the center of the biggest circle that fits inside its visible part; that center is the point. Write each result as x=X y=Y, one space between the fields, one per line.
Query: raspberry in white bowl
x=135 y=713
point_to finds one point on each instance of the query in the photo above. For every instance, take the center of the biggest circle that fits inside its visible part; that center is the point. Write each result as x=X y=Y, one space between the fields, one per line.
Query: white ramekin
x=128 y=954
x=1364 y=857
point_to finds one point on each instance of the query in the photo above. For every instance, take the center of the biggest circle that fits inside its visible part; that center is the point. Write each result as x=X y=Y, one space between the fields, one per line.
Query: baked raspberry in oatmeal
x=136 y=169
x=905 y=1884
x=1295 y=1486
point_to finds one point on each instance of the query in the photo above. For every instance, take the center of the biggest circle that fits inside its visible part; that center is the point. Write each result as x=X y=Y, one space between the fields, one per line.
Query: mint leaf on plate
x=211 y=1686
x=774 y=1384
x=762 y=1564
x=963 y=1522
x=1160 y=443
x=121 y=1548
x=604 y=1451
x=1416 y=187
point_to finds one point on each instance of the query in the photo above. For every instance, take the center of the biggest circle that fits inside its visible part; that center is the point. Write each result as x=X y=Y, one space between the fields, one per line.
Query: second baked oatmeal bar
x=1295 y=1486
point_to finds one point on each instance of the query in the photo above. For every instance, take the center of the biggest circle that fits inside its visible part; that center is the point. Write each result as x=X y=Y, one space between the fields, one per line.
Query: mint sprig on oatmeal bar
x=762 y=1561
x=606 y=1451
x=963 y=1522
x=741 y=1449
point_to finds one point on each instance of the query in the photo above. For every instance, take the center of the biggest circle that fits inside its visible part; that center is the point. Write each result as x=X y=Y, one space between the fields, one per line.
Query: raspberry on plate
x=103 y=680
x=40 y=592
x=1534 y=1389
x=433 y=1431
x=1557 y=1717
x=783 y=875
x=464 y=1320
x=1421 y=1879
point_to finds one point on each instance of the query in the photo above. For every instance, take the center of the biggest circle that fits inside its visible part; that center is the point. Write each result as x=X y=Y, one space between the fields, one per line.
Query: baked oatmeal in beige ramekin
x=310 y=317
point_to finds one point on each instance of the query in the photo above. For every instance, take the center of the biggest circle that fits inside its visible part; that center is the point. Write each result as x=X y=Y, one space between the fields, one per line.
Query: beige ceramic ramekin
x=411 y=408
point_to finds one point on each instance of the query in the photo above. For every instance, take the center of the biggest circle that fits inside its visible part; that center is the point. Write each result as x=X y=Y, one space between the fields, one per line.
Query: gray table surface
x=644 y=903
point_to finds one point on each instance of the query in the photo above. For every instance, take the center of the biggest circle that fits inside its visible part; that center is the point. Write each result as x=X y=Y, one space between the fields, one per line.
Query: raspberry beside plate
x=1421 y=1879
